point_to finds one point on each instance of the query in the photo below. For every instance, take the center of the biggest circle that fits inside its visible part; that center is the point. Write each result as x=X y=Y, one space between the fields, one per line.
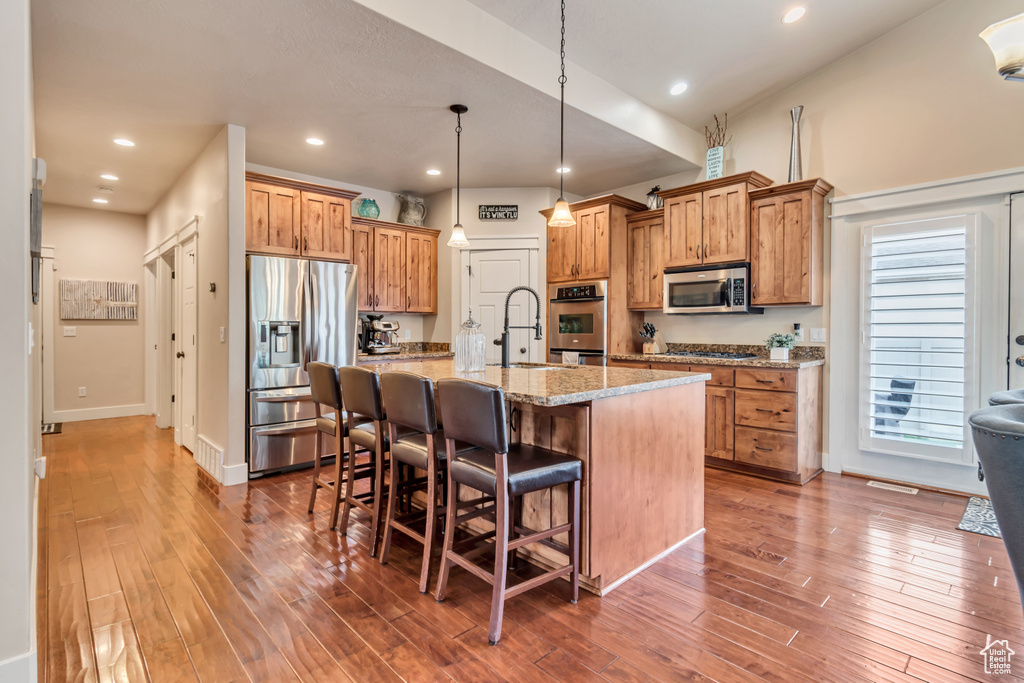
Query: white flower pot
x=780 y=354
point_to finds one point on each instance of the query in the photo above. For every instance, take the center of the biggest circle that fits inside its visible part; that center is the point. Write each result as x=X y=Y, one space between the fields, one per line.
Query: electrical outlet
x=81 y=392
x=408 y=334
x=818 y=334
x=798 y=332
x=222 y=335
x=70 y=331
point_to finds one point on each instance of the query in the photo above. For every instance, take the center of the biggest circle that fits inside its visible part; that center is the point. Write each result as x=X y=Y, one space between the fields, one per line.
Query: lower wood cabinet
x=760 y=421
x=397 y=266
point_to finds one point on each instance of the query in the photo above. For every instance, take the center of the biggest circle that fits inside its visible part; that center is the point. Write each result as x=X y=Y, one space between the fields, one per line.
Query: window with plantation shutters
x=918 y=337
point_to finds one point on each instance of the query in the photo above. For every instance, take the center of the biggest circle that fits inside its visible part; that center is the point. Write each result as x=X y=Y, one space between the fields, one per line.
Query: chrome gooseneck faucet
x=504 y=343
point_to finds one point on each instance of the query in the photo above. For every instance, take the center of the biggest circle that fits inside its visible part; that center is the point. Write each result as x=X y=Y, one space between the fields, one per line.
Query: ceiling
x=169 y=74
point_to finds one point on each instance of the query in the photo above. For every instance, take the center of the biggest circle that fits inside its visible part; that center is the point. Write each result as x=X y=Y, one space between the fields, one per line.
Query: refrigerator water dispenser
x=279 y=345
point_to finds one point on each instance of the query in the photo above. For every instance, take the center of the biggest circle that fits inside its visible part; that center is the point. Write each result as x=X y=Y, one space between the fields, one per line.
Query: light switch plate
x=222 y=335
x=70 y=331
x=81 y=392
x=817 y=334
x=408 y=334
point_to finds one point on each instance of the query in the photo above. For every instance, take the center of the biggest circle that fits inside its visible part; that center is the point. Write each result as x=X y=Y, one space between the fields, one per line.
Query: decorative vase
x=368 y=208
x=413 y=210
x=716 y=163
x=795 y=172
x=470 y=347
x=780 y=354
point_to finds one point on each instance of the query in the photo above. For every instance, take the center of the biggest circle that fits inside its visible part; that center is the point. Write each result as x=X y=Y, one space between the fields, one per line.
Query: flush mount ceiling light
x=100 y=201
x=315 y=141
x=561 y=216
x=108 y=176
x=795 y=14
x=1006 y=40
x=124 y=142
x=563 y=169
x=433 y=171
x=458 y=238
x=678 y=88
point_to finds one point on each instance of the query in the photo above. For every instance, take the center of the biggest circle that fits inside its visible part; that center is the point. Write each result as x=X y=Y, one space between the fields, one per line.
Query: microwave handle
x=728 y=292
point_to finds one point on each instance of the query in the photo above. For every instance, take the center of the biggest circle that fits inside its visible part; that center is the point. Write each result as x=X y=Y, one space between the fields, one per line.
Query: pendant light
x=561 y=217
x=1006 y=40
x=458 y=238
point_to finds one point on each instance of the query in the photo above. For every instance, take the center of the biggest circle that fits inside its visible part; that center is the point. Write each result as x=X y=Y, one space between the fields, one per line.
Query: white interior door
x=187 y=348
x=491 y=275
x=1016 y=336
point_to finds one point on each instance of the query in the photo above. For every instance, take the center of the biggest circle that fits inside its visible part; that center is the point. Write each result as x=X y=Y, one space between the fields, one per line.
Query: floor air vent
x=892 y=487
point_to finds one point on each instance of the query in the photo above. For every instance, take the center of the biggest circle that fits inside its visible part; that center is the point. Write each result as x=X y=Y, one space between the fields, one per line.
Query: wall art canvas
x=98 y=300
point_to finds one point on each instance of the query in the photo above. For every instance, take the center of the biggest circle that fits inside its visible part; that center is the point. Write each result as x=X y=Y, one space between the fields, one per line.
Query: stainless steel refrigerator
x=300 y=311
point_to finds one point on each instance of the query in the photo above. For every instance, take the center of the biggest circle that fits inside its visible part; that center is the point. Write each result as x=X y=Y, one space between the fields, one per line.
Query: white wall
x=213 y=188
x=441 y=206
x=105 y=356
x=19 y=423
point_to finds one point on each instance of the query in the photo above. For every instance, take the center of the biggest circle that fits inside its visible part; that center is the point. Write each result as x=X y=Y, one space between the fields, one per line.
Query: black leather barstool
x=325 y=388
x=474 y=412
x=410 y=404
x=367 y=429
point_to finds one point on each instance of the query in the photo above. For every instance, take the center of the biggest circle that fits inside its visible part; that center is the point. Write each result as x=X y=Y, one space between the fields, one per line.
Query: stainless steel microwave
x=708 y=289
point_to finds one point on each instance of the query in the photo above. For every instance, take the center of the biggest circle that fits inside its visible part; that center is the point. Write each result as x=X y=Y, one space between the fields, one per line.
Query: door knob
x=522 y=349
x=181 y=354
x=1020 y=361
x=1020 y=340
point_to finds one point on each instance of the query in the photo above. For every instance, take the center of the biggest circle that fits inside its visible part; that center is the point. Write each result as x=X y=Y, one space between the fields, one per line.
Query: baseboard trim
x=19 y=669
x=235 y=474
x=105 y=413
x=605 y=590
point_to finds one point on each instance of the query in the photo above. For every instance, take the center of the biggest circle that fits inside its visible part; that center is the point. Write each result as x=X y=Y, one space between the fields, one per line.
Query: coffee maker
x=377 y=335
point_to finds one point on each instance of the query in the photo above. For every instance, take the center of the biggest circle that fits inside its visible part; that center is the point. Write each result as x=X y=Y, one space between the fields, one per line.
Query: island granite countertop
x=759 y=362
x=403 y=355
x=554 y=385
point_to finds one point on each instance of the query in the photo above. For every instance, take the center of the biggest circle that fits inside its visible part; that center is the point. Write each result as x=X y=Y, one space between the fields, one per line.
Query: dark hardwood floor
x=149 y=568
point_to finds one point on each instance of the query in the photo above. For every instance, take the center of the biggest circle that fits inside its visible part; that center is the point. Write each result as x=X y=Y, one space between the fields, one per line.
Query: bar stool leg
x=501 y=513
x=391 y=511
x=318 y=445
x=430 y=532
x=378 y=495
x=574 y=539
x=339 y=471
x=516 y=519
x=350 y=482
x=449 y=533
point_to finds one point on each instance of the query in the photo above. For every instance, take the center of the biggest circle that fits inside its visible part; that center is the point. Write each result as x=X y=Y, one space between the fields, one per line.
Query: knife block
x=656 y=346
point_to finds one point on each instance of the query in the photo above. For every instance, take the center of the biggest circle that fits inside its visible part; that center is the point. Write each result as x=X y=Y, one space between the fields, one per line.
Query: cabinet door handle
x=753 y=291
x=761 y=448
x=409 y=305
x=296 y=243
x=764 y=410
x=376 y=300
x=706 y=251
x=765 y=381
x=698 y=251
x=305 y=244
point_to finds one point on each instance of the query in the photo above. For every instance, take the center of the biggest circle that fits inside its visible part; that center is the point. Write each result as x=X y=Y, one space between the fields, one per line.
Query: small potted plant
x=779 y=345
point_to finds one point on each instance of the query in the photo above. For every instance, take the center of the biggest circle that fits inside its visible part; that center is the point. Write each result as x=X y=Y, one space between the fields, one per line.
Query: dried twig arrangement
x=716 y=137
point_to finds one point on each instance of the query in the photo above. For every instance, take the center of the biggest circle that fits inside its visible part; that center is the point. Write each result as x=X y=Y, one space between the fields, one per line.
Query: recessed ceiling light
x=564 y=169
x=794 y=15
x=679 y=88
x=100 y=201
x=433 y=171
x=315 y=141
x=108 y=176
x=124 y=142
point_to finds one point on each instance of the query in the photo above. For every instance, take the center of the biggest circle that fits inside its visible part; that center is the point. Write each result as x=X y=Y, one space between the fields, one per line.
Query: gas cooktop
x=714 y=354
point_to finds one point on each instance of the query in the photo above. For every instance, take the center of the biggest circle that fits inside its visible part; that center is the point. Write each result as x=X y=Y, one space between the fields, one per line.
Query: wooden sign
x=499 y=212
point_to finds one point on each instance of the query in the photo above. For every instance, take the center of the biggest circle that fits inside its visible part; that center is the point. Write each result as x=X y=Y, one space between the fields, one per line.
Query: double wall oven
x=578 y=320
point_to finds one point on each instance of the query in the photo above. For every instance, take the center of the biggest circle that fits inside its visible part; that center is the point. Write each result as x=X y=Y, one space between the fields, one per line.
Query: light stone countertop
x=759 y=362
x=555 y=385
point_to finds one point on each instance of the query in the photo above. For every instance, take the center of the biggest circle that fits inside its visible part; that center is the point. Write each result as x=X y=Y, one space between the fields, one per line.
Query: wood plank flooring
x=149 y=569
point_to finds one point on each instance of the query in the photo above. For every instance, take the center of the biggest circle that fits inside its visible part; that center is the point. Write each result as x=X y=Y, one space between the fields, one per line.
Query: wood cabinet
x=787 y=243
x=584 y=251
x=706 y=223
x=760 y=421
x=284 y=217
x=645 y=259
x=397 y=266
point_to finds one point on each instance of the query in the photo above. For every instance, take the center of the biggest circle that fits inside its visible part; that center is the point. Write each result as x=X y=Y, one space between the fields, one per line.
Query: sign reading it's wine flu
x=499 y=212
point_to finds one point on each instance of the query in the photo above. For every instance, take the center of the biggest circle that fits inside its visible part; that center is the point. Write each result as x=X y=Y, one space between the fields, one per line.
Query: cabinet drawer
x=629 y=364
x=766 y=409
x=720 y=376
x=772 y=380
x=766 y=449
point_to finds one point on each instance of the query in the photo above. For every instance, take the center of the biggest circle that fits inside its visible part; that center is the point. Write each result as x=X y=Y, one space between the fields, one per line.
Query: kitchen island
x=640 y=435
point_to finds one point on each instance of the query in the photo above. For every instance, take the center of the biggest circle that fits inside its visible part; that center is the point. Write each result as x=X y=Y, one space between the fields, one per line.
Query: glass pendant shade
x=458 y=238
x=1006 y=40
x=561 y=217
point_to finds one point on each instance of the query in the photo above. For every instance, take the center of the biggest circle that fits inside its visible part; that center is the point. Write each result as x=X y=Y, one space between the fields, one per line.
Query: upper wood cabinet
x=707 y=222
x=397 y=266
x=787 y=243
x=272 y=219
x=645 y=260
x=289 y=218
x=584 y=251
